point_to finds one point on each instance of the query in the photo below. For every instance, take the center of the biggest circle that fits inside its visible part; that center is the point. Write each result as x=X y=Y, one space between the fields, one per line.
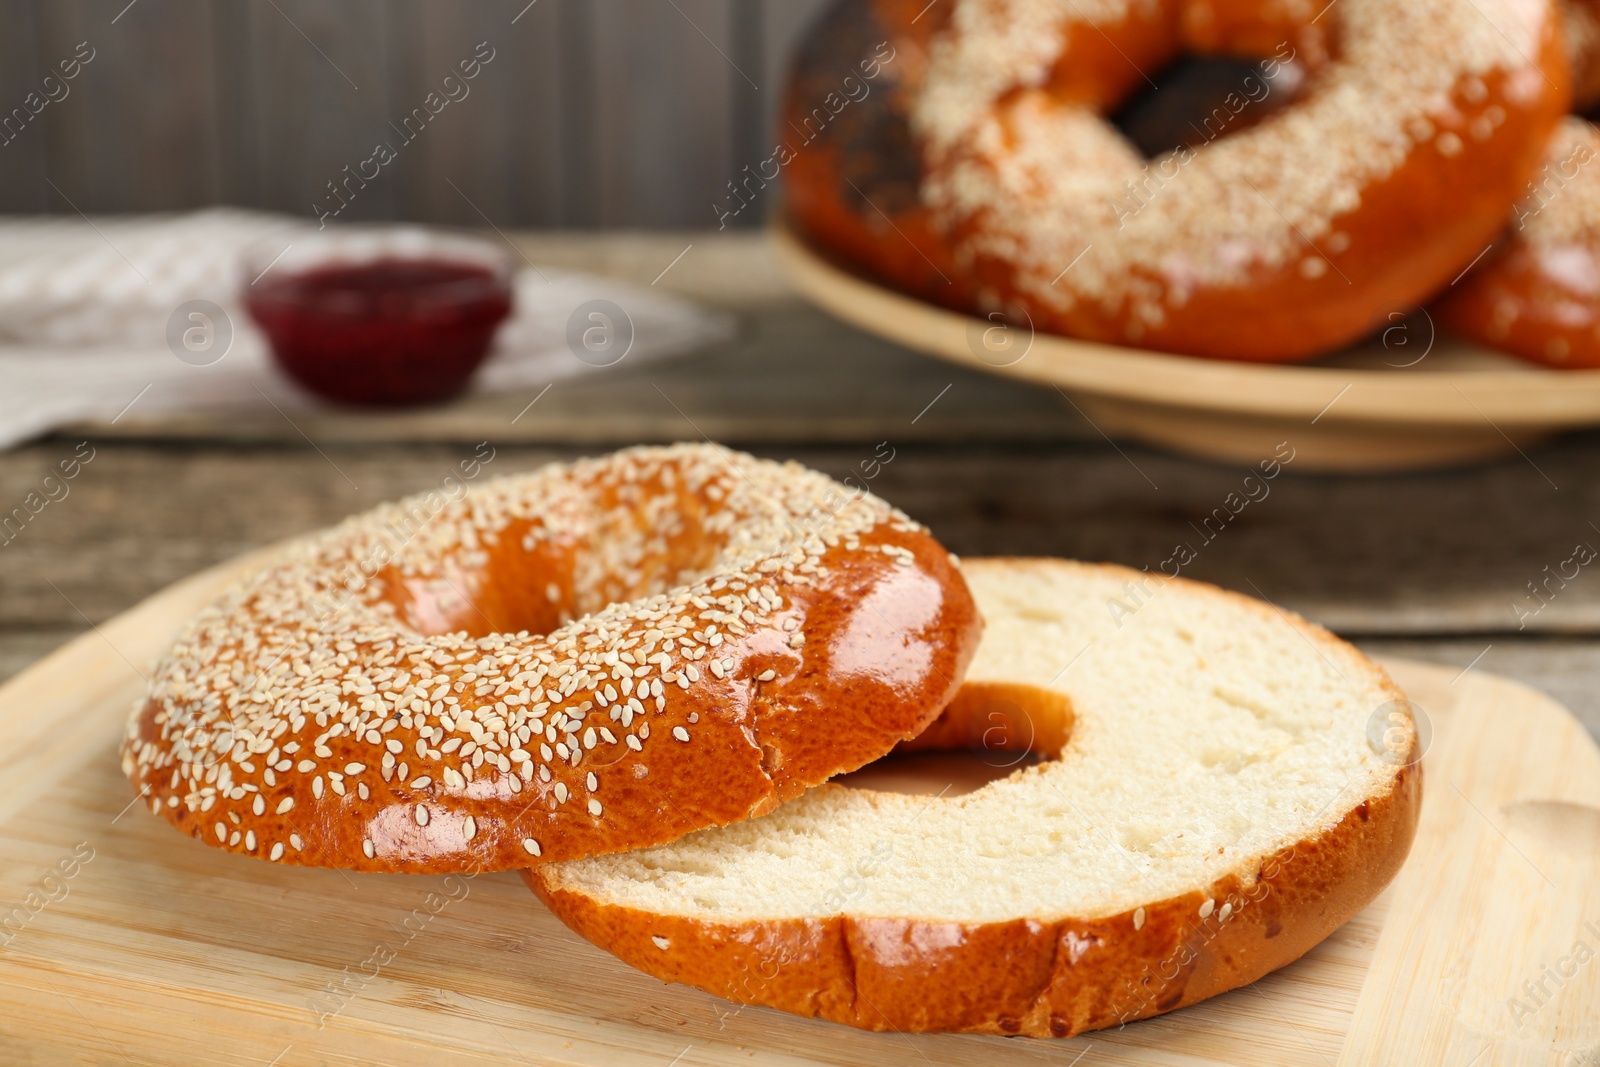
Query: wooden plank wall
x=592 y=113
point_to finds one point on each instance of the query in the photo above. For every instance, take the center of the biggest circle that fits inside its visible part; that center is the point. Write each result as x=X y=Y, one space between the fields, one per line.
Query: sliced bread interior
x=1224 y=785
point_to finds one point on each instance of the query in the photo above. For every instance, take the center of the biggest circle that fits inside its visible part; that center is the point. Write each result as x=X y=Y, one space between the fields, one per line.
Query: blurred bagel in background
x=980 y=172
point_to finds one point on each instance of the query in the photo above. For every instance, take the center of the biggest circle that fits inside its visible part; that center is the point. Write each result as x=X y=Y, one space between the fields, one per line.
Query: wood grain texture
x=22 y=66
x=497 y=148
x=654 y=66
x=1419 y=555
x=340 y=107
x=620 y=113
x=1562 y=667
x=96 y=132
x=1488 y=952
x=155 y=947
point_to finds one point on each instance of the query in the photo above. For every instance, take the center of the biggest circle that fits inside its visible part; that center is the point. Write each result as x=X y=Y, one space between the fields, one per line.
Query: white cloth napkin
x=85 y=308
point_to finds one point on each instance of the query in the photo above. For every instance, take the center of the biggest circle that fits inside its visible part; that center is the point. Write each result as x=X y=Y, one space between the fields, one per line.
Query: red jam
x=390 y=331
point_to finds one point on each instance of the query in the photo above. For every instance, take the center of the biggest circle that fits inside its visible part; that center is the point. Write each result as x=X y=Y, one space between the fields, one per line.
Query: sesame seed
x=766 y=675
x=337 y=679
x=1227 y=910
x=294 y=839
x=250 y=840
x=1206 y=908
x=561 y=792
x=277 y=851
x=680 y=733
x=594 y=806
x=660 y=942
x=531 y=846
x=469 y=828
x=1138 y=919
x=422 y=815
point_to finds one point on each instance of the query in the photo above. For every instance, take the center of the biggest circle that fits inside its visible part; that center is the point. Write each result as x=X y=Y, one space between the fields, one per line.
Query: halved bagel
x=1230 y=784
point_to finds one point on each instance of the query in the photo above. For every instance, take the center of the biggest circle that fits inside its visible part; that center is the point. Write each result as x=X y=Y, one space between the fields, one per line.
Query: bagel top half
x=581 y=659
x=1229 y=785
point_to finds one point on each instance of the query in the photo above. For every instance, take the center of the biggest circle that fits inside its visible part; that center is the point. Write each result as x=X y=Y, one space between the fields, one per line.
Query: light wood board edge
x=1502 y=883
x=43 y=722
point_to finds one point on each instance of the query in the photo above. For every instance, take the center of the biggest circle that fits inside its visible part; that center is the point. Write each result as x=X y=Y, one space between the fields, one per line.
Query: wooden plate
x=122 y=941
x=1414 y=398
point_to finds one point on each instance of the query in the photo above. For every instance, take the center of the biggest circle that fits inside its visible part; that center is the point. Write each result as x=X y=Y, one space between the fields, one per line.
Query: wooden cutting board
x=124 y=942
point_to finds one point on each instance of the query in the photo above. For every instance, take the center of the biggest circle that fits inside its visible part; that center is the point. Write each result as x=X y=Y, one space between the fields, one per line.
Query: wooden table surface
x=1438 y=566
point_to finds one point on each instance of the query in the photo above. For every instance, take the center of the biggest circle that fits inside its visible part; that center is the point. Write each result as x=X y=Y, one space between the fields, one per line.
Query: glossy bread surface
x=584 y=659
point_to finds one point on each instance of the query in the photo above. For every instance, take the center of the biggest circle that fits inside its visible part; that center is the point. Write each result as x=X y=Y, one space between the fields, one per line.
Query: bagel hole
x=538 y=589
x=1199 y=99
x=990 y=731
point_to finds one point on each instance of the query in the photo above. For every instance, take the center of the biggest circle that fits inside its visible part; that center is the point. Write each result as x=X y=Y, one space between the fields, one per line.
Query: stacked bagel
x=1385 y=156
x=632 y=678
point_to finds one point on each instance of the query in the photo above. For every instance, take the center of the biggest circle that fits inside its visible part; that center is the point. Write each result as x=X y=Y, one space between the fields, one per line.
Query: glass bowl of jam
x=379 y=316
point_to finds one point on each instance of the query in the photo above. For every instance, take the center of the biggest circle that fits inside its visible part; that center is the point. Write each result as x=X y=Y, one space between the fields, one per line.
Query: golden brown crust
x=1051 y=976
x=1535 y=296
x=851 y=184
x=1408 y=234
x=807 y=675
x=1523 y=301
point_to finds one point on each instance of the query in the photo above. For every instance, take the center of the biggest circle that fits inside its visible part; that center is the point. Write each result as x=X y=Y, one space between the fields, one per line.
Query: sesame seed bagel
x=1406 y=131
x=1537 y=296
x=1230 y=784
x=581 y=659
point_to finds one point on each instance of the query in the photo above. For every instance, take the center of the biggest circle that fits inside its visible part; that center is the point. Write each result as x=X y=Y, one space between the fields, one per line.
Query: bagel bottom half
x=1229 y=784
